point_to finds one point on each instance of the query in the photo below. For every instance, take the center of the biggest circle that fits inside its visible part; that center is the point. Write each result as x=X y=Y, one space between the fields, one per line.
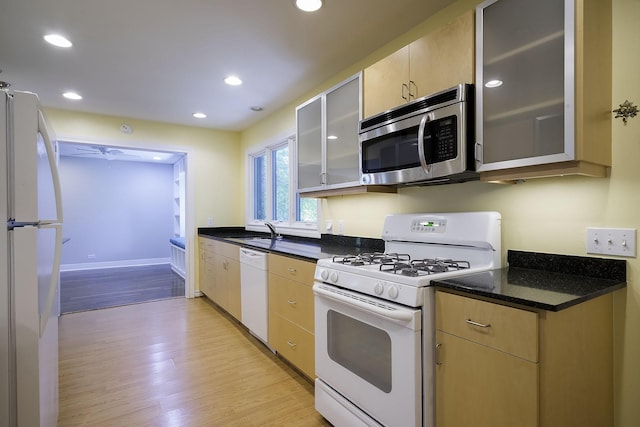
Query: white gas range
x=374 y=320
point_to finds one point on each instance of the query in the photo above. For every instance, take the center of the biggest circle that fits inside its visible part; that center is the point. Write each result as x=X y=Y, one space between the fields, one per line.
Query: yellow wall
x=546 y=215
x=213 y=156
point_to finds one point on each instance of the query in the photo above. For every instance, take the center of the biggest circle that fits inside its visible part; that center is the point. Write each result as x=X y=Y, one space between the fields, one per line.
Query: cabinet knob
x=291 y=344
x=292 y=302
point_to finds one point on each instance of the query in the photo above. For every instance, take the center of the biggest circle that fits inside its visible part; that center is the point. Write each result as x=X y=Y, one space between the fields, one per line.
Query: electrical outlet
x=210 y=220
x=611 y=241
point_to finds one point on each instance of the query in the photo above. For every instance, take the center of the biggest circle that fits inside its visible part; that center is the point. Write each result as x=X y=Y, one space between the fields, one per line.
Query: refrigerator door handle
x=12 y=223
x=55 y=277
x=48 y=144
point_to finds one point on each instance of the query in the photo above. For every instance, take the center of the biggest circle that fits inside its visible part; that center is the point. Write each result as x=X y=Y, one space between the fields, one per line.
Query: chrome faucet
x=272 y=230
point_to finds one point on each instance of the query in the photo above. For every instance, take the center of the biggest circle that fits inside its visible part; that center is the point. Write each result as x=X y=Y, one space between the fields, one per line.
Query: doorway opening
x=127 y=210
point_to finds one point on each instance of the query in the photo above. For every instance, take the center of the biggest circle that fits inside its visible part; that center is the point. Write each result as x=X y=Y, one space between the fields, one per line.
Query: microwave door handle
x=421 y=153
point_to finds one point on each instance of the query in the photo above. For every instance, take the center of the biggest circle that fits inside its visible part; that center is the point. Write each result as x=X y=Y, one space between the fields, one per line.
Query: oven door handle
x=421 y=152
x=381 y=310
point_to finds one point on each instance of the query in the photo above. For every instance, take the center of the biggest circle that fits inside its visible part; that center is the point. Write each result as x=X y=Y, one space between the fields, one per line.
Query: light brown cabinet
x=291 y=314
x=220 y=274
x=206 y=263
x=437 y=61
x=510 y=366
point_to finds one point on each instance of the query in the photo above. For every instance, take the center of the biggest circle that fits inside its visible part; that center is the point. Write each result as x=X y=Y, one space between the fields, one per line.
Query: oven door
x=370 y=352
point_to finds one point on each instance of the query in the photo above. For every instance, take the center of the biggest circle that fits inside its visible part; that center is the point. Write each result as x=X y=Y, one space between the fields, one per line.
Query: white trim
x=115 y=264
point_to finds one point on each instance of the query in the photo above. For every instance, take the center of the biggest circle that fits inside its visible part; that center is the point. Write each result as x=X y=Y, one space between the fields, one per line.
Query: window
x=272 y=194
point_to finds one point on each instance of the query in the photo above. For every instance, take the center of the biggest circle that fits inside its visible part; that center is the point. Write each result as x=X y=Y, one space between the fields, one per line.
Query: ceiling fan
x=102 y=152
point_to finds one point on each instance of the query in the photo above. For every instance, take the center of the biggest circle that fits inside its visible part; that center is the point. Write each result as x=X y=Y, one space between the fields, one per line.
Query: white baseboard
x=197 y=294
x=114 y=264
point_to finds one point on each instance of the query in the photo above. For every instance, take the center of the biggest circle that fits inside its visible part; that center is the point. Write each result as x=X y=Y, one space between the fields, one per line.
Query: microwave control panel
x=440 y=140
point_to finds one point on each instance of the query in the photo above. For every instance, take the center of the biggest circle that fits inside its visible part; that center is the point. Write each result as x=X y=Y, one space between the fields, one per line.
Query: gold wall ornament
x=626 y=110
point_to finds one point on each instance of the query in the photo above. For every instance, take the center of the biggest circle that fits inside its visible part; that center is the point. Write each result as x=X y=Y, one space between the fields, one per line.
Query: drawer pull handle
x=291 y=344
x=479 y=325
x=291 y=270
x=292 y=302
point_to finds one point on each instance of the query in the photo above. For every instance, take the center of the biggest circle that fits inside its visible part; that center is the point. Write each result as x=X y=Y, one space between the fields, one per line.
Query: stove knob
x=324 y=274
x=378 y=288
x=393 y=292
x=334 y=277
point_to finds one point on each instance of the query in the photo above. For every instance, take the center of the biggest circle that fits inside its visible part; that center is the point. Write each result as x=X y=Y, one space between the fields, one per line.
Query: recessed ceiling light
x=309 y=5
x=57 y=40
x=233 y=81
x=157 y=158
x=200 y=115
x=332 y=137
x=493 y=83
x=72 y=95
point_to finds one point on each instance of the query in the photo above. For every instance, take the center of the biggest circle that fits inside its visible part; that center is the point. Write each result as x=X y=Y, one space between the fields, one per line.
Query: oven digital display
x=429 y=225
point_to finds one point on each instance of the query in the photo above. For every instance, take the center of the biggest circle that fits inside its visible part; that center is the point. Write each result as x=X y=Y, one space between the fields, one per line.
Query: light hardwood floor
x=178 y=362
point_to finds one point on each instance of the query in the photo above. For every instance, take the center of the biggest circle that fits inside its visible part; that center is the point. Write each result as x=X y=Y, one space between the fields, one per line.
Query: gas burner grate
x=371 y=258
x=424 y=266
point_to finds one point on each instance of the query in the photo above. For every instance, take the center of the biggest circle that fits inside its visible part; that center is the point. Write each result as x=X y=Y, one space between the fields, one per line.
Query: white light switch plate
x=611 y=241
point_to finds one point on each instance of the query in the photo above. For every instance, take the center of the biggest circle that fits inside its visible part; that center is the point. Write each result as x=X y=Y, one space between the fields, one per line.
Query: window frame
x=292 y=226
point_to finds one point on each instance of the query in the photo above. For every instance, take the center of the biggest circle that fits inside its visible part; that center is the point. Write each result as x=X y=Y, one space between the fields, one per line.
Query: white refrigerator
x=29 y=263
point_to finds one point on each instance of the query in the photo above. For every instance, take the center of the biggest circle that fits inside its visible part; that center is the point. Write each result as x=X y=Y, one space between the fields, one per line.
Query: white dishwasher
x=253 y=290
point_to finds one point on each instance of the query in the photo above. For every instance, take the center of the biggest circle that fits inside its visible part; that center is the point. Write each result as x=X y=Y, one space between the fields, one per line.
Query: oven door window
x=361 y=348
x=392 y=151
x=441 y=140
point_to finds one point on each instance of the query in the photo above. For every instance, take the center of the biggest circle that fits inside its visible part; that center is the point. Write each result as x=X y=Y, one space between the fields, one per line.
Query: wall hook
x=626 y=110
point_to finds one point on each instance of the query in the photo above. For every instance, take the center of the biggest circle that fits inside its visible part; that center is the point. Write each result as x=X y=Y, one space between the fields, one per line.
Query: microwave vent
x=456 y=94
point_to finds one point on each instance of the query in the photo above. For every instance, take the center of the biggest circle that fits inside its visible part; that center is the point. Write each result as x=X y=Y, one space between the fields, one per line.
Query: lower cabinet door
x=483 y=387
x=293 y=343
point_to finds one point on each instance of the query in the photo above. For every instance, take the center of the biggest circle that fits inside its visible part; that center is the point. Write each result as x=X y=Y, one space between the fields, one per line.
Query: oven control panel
x=411 y=296
x=429 y=225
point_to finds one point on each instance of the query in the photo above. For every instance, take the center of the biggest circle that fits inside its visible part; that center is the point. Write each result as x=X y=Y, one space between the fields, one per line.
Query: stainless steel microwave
x=426 y=141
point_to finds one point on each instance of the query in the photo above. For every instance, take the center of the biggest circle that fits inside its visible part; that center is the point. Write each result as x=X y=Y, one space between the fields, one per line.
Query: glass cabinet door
x=343 y=116
x=524 y=82
x=309 y=139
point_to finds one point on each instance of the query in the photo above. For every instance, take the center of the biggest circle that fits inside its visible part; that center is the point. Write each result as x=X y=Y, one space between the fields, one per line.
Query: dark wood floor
x=111 y=287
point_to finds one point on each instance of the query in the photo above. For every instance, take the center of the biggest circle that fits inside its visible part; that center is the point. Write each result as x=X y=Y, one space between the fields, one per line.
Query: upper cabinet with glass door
x=543 y=88
x=328 y=144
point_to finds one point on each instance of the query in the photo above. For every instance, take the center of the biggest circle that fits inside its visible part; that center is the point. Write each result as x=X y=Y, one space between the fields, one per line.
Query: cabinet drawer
x=293 y=343
x=295 y=269
x=504 y=328
x=292 y=300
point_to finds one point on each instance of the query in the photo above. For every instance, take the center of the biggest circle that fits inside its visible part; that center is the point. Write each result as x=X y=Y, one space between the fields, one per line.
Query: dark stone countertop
x=543 y=281
x=308 y=249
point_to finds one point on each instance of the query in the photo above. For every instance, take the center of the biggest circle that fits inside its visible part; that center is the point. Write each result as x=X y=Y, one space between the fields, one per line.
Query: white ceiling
x=163 y=60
